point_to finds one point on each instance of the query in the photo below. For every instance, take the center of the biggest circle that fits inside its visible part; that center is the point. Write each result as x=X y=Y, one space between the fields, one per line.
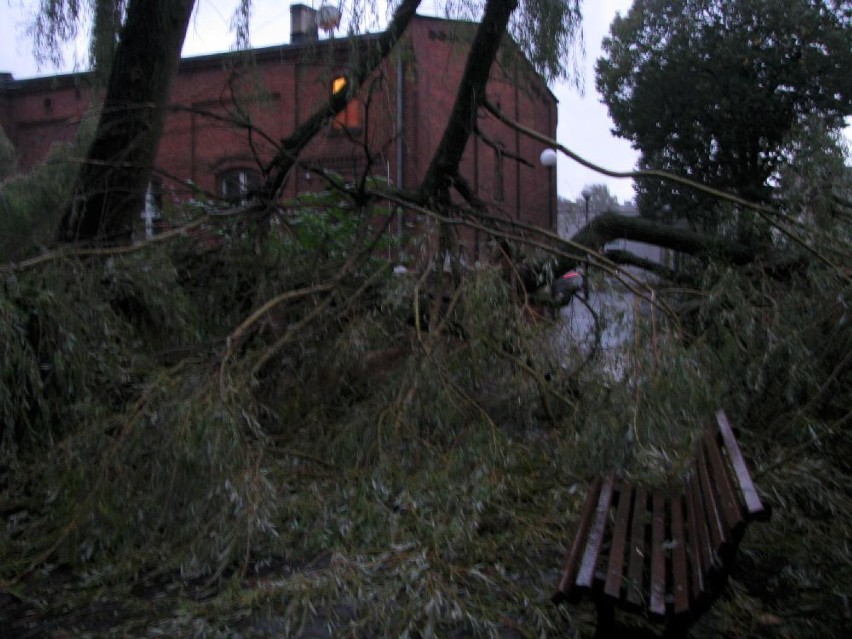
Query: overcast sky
x=584 y=124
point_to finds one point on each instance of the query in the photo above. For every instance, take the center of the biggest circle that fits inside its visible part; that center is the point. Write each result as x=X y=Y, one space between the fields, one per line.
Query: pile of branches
x=284 y=434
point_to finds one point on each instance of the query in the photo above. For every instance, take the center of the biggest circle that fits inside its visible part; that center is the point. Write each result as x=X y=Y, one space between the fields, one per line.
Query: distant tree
x=573 y=212
x=58 y=22
x=711 y=89
x=815 y=186
x=600 y=199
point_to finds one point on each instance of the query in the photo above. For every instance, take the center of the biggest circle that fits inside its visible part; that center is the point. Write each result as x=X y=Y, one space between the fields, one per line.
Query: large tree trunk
x=110 y=188
x=471 y=94
x=608 y=227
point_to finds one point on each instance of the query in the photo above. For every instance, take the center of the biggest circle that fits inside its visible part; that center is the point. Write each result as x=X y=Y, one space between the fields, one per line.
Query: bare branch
x=292 y=146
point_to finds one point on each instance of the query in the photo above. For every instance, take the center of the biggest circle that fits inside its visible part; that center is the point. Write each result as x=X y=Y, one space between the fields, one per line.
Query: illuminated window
x=236 y=184
x=350 y=117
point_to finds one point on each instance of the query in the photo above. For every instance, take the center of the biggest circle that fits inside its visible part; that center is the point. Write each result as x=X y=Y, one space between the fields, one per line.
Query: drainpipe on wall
x=517 y=145
x=400 y=145
x=551 y=180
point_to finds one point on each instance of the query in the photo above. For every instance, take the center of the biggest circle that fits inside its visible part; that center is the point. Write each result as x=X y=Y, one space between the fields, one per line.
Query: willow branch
x=765 y=212
x=65 y=253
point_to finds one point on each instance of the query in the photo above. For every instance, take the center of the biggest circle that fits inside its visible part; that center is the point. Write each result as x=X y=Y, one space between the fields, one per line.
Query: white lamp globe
x=548 y=158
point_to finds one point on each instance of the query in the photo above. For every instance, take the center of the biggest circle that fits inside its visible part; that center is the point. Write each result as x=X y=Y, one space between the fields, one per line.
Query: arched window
x=236 y=184
x=350 y=117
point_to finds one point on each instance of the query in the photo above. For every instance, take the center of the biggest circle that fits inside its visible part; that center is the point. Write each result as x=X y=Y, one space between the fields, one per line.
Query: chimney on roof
x=303 y=24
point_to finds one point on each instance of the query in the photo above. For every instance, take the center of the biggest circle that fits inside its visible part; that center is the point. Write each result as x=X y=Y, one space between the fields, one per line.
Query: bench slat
x=680 y=581
x=572 y=560
x=638 y=547
x=728 y=498
x=657 y=601
x=615 y=570
x=718 y=533
x=754 y=507
x=702 y=556
x=595 y=536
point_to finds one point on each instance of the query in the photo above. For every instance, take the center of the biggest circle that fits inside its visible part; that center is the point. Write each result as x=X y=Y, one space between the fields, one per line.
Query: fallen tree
x=186 y=454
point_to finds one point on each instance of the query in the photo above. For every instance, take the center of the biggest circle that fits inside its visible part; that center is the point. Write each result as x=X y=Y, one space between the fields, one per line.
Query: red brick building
x=399 y=115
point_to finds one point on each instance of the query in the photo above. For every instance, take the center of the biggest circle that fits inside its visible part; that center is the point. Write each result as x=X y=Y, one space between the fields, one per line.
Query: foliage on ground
x=255 y=428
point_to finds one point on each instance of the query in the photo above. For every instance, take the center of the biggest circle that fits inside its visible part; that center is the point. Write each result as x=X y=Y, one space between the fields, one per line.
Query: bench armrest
x=754 y=507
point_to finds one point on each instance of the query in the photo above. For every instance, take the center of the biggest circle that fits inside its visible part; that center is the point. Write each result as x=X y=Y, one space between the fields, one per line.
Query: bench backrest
x=668 y=554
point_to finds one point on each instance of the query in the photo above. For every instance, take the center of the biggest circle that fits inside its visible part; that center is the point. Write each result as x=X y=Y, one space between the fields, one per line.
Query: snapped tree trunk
x=110 y=188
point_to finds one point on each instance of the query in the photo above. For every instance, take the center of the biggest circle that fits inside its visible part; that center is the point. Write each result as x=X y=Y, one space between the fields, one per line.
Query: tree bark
x=611 y=226
x=110 y=188
x=470 y=95
x=607 y=227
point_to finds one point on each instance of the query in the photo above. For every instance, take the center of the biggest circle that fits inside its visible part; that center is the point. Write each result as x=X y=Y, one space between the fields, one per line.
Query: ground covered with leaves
x=257 y=429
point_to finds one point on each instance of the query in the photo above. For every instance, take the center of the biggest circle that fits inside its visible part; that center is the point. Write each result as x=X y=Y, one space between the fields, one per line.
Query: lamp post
x=548 y=159
x=587 y=194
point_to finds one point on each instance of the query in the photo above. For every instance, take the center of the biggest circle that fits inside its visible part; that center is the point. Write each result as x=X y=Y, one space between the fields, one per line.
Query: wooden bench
x=667 y=556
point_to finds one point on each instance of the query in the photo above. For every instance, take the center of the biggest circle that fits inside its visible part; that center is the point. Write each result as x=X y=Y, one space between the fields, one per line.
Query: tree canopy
x=711 y=89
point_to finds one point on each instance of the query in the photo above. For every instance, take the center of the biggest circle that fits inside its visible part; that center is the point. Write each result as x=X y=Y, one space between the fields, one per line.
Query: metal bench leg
x=606 y=619
x=677 y=628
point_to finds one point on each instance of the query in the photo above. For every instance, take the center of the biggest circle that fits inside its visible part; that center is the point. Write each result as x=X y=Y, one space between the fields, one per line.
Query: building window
x=350 y=117
x=236 y=184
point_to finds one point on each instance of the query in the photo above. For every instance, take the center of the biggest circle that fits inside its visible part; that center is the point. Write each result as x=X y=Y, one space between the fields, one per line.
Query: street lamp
x=587 y=194
x=548 y=160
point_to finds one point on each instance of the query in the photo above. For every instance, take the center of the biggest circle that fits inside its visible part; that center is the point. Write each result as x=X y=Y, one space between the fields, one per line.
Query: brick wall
x=283 y=85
